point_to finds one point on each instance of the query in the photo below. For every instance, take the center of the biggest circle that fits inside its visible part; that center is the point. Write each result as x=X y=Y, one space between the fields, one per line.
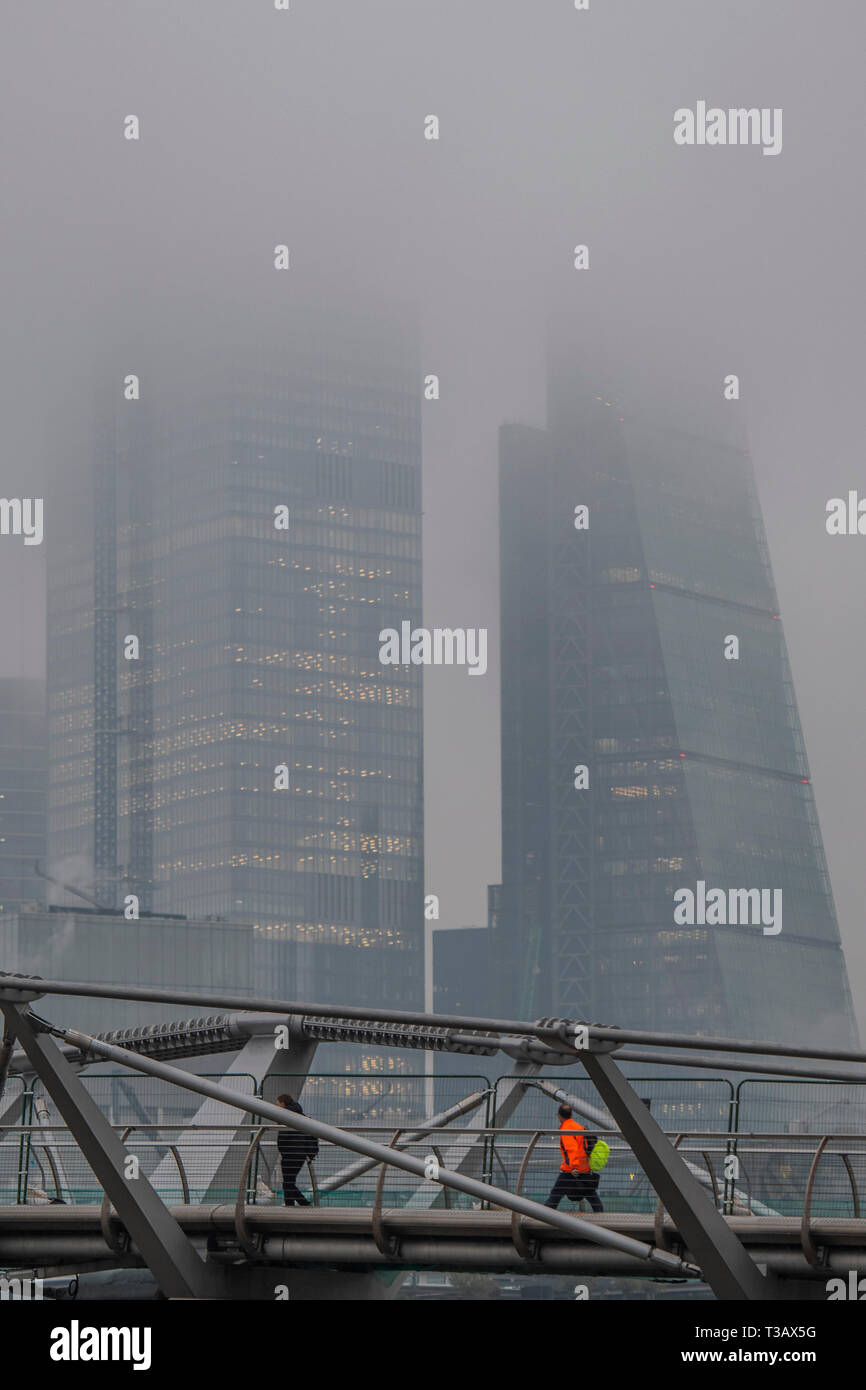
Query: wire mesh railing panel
x=678 y=1104
x=12 y=1156
x=13 y=1166
x=198 y=1164
x=52 y=1168
x=129 y=1099
x=179 y=1163
x=351 y=1099
x=801 y=1107
x=377 y=1107
x=755 y=1174
x=14 y=1093
x=774 y=1172
x=145 y=1104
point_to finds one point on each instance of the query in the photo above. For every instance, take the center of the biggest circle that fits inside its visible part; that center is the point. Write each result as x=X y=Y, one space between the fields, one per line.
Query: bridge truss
x=695 y=1240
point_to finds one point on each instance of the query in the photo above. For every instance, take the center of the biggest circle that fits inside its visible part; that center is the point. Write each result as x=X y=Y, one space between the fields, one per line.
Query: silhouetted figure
x=294 y=1148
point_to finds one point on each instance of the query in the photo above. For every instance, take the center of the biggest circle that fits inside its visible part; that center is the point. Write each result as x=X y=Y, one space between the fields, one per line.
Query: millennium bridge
x=733 y=1164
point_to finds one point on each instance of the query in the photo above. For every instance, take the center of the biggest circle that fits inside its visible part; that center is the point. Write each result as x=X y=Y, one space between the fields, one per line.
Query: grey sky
x=306 y=127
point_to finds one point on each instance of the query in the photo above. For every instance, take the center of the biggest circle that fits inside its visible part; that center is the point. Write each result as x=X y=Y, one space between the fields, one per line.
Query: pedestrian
x=294 y=1148
x=575 y=1180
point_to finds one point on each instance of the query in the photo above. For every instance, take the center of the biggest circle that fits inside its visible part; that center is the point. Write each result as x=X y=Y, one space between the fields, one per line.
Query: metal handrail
x=813 y=1255
x=250 y=1247
x=712 y=1174
x=385 y=1244
x=476 y=1133
x=526 y=1249
x=809 y=1250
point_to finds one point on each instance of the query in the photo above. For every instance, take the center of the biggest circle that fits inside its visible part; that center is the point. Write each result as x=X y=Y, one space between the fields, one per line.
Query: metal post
x=173 y=1261
x=726 y=1267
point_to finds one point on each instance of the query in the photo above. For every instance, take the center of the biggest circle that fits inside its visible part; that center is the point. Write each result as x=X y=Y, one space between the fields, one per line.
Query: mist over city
x=431 y=590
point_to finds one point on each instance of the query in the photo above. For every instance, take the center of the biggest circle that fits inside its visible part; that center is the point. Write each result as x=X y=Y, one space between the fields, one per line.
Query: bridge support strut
x=728 y=1269
x=174 y=1262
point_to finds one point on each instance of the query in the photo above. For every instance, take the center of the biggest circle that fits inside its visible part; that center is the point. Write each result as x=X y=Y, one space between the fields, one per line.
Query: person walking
x=575 y=1179
x=294 y=1148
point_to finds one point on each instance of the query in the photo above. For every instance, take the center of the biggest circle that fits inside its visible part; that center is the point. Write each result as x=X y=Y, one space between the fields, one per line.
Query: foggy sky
x=306 y=128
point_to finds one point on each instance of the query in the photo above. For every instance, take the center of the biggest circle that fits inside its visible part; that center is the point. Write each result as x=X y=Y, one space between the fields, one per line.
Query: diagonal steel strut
x=172 y=1259
x=726 y=1266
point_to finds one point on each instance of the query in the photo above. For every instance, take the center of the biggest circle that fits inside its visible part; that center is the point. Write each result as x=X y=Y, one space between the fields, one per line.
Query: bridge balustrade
x=768 y=1147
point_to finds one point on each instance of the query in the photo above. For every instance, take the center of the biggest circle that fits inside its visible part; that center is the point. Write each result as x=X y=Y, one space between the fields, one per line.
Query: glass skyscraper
x=22 y=790
x=615 y=626
x=253 y=521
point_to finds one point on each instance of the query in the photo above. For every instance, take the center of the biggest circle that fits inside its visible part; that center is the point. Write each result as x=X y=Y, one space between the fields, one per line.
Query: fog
x=306 y=128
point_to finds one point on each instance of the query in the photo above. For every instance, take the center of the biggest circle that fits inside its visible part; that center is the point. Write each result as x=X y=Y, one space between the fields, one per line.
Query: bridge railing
x=794 y=1106
x=759 y=1174
x=678 y=1103
x=157 y=1117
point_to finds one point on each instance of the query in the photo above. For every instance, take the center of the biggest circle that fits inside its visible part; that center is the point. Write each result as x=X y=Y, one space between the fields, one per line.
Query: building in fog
x=82 y=943
x=253 y=522
x=615 y=626
x=462 y=981
x=22 y=790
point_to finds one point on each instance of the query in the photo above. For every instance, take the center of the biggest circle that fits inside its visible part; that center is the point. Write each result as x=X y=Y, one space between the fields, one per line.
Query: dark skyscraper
x=252 y=522
x=617 y=658
x=22 y=790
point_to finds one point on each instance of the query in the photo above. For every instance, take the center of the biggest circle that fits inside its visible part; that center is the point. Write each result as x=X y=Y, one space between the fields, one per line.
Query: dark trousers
x=291 y=1192
x=574 y=1186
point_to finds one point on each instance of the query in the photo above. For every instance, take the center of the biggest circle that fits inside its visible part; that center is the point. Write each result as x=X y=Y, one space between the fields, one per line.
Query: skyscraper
x=224 y=740
x=22 y=789
x=643 y=751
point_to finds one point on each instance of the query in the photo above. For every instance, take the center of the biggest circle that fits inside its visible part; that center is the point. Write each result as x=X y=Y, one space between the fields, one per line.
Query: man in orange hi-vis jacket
x=575 y=1178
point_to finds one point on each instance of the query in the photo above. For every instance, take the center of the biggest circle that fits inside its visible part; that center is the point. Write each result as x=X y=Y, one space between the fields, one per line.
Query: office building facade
x=224 y=741
x=23 y=756
x=643 y=751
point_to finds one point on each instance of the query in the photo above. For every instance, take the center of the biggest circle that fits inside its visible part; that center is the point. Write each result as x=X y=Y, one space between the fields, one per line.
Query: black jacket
x=292 y=1144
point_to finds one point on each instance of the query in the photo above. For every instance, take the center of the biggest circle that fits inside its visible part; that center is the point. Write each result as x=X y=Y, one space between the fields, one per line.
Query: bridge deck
x=406 y=1222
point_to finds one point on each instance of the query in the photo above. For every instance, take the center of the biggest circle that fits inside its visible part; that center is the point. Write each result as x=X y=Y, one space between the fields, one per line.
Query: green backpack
x=599 y=1153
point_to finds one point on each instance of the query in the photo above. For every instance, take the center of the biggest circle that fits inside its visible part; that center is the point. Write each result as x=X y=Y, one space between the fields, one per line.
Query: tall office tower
x=640 y=755
x=22 y=790
x=224 y=740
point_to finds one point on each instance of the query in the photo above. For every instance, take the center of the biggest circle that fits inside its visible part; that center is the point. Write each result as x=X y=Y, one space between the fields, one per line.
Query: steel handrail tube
x=721 y=1136
x=540 y=1029
x=714 y=1063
